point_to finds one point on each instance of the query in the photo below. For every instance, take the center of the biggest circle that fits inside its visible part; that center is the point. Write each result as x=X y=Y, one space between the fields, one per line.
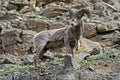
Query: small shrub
x=44 y=18
x=42 y=64
x=77 y=52
x=4 y=10
x=22 y=69
x=103 y=57
x=58 y=62
x=2 y=71
x=85 y=63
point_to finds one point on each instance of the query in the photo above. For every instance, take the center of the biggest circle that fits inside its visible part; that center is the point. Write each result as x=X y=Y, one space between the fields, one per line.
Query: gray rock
x=81 y=56
x=109 y=2
x=20 y=3
x=107 y=39
x=70 y=63
x=53 y=12
x=104 y=6
x=9 y=59
x=8 y=16
x=11 y=7
x=27 y=59
x=10 y=38
x=107 y=27
x=36 y=25
x=115 y=38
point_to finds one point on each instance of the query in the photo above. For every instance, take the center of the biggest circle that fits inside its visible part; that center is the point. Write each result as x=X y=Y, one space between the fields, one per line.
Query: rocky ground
x=98 y=57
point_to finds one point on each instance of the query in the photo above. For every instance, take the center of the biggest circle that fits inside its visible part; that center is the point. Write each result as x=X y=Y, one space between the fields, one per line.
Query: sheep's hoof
x=37 y=68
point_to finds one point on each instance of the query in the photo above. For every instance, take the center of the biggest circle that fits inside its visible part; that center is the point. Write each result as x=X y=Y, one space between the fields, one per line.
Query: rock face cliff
x=99 y=56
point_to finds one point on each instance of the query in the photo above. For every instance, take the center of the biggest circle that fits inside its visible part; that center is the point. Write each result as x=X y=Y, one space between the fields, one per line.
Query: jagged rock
x=94 y=51
x=27 y=44
x=45 y=2
x=37 y=25
x=79 y=57
x=8 y=16
x=26 y=9
x=109 y=1
x=88 y=45
x=104 y=6
x=115 y=38
x=68 y=76
x=70 y=63
x=27 y=59
x=103 y=9
x=9 y=59
x=107 y=27
x=90 y=30
x=116 y=16
x=53 y=12
x=56 y=25
x=11 y=7
x=20 y=3
x=107 y=39
x=104 y=39
x=10 y=38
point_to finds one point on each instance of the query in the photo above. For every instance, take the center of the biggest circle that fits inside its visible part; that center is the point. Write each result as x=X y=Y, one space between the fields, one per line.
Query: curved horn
x=83 y=11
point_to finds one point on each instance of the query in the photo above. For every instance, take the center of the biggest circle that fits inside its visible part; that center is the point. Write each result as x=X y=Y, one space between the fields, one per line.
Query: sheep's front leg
x=39 y=54
x=79 y=43
x=36 y=59
x=67 y=44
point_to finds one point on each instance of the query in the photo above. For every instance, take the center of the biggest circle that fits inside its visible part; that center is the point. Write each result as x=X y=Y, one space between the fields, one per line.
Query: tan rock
x=88 y=45
x=90 y=30
x=53 y=12
x=56 y=26
x=37 y=25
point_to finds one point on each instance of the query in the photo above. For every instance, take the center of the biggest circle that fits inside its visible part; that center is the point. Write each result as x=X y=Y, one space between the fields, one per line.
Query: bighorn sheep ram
x=64 y=37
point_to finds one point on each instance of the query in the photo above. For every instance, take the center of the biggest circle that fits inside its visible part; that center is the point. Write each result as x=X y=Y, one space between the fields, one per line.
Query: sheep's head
x=77 y=17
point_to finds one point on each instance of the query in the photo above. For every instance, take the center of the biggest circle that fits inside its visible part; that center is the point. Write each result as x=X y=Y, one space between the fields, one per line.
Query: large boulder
x=10 y=38
x=90 y=30
x=30 y=24
x=104 y=7
x=27 y=46
x=88 y=45
x=108 y=27
x=20 y=3
x=8 y=16
x=36 y=25
x=53 y=12
x=107 y=39
x=56 y=25
x=17 y=41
